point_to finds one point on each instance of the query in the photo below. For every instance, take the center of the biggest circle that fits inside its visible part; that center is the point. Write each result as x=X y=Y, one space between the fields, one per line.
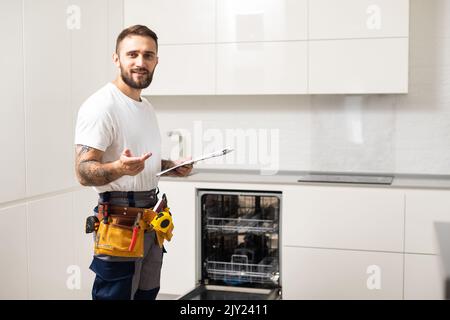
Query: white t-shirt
x=110 y=121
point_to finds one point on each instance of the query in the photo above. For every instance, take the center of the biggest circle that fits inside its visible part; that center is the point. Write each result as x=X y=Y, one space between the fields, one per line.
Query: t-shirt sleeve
x=94 y=128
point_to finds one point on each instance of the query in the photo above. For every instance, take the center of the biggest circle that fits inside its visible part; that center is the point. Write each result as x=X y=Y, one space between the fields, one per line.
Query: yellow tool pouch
x=123 y=236
x=115 y=238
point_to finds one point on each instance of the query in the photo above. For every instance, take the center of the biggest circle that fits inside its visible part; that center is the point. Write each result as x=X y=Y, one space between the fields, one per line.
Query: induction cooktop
x=346 y=178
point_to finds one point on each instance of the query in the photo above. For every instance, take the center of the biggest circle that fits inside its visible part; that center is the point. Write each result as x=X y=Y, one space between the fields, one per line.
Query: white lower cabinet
x=310 y=273
x=424 y=277
x=423 y=209
x=13 y=248
x=343 y=217
x=178 y=273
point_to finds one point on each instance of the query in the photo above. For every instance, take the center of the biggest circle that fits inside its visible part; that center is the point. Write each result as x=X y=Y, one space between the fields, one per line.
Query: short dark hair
x=136 y=30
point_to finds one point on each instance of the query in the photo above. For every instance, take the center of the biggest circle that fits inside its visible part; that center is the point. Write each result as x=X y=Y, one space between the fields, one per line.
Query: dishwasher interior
x=239 y=245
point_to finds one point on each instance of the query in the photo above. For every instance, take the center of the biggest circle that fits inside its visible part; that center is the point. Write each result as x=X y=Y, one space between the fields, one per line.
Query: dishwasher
x=238 y=247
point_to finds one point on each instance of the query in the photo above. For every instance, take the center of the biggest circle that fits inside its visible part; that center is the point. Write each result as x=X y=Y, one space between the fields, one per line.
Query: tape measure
x=162 y=221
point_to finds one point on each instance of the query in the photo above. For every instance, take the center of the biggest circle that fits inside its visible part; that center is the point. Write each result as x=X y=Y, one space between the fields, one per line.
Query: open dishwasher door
x=238 y=244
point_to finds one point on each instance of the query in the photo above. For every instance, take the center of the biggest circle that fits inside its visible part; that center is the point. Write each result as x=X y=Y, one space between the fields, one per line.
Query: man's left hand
x=185 y=170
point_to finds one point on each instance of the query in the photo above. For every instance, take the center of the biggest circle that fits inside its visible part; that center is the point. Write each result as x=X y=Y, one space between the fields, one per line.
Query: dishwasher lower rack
x=238 y=271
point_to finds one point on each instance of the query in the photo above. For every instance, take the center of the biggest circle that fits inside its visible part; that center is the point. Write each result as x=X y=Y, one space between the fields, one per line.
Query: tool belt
x=120 y=230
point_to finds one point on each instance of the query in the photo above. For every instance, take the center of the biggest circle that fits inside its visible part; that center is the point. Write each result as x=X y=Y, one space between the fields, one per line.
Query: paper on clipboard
x=192 y=161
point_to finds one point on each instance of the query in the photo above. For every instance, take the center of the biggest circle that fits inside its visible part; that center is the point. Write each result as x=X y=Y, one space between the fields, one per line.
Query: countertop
x=291 y=178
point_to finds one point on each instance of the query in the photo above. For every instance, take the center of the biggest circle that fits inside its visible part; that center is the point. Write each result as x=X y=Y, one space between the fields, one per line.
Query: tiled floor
x=163 y=296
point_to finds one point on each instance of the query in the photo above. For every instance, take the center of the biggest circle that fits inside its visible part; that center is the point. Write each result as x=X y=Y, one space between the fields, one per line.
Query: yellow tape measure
x=162 y=221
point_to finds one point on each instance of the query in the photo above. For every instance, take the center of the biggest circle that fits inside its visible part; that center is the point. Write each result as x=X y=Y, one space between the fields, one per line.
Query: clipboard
x=203 y=157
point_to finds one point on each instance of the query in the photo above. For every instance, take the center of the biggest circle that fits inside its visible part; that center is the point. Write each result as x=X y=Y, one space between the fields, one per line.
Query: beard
x=142 y=83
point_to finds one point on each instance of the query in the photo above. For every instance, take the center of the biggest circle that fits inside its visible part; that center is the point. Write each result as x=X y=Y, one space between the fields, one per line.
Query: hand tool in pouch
x=135 y=232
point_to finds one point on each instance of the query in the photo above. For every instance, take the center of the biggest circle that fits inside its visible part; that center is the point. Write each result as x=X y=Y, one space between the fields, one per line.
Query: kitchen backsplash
x=361 y=133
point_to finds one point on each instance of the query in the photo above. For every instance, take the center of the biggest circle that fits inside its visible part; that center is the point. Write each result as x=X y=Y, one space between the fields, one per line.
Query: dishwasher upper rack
x=241 y=225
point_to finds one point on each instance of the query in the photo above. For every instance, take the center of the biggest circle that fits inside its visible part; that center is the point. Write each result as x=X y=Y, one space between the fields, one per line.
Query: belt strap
x=122 y=211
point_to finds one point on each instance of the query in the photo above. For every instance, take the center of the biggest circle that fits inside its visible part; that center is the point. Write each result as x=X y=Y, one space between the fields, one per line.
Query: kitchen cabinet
x=358 y=66
x=358 y=46
x=343 y=217
x=337 y=241
x=13 y=269
x=178 y=72
x=89 y=68
x=261 y=20
x=178 y=273
x=423 y=209
x=311 y=273
x=350 y=19
x=278 y=46
x=47 y=92
x=51 y=247
x=262 y=68
x=174 y=21
x=12 y=117
x=186 y=37
x=424 y=277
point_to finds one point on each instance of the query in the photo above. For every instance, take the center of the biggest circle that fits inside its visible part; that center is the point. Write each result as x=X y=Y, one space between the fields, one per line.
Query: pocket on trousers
x=113 y=281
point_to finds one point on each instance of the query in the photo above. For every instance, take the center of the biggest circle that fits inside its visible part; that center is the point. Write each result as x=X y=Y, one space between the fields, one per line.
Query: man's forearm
x=95 y=173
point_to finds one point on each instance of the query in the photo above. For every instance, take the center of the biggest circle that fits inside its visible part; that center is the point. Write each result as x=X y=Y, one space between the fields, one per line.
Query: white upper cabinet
x=343 y=19
x=184 y=70
x=358 y=66
x=278 y=46
x=174 y=21
x=48 y=113
x=12 y=118
x=261 y=20
x=262 y=68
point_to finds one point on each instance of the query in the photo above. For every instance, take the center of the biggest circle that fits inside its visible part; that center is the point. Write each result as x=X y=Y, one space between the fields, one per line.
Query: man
x=118 y=152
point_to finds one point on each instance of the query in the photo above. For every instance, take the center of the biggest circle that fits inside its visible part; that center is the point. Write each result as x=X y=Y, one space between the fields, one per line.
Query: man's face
x=137 y=60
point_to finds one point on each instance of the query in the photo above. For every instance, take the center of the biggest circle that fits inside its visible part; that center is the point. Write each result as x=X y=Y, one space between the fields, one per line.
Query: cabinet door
x=262 y=68
x=12 y=122
x=13 y=269
x=84 y=201
x=344 y=19
x=49 y=116
x=184 y=70
x=179 y=265
x=89 y=68
x=423 y=209
x=51 y=248
x=424 y=278
x=174 y=21
x=358 y=66
x=341 y=274
x=261 y=20
x=343 y=217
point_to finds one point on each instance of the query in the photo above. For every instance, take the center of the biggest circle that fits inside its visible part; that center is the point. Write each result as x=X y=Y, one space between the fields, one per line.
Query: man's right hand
x=131 y=165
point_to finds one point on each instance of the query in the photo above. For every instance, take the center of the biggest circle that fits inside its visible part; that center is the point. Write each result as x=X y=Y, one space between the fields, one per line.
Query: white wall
x=369 y=133
x=48 y=69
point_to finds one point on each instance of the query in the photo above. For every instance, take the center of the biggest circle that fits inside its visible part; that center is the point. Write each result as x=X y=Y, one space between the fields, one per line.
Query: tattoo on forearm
x=93 y=174
x=84 y=149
